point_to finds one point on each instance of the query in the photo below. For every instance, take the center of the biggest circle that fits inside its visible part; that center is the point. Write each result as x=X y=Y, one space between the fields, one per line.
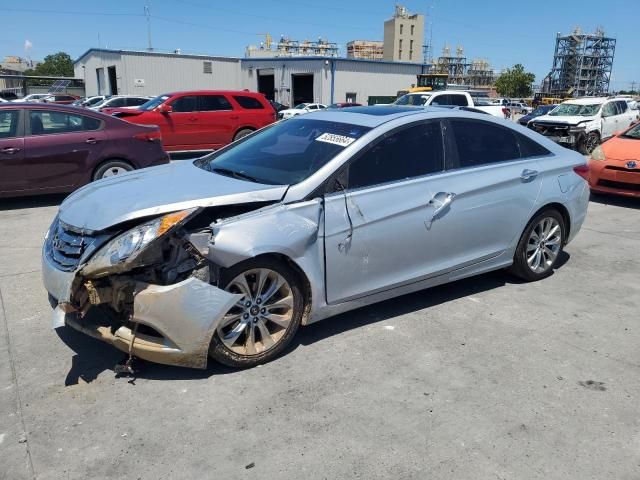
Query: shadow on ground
x=615 y=200
x=36 y=201
x=93 y=357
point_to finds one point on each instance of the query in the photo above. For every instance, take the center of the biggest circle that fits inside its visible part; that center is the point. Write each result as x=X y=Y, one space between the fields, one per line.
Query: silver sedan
x=226 y=256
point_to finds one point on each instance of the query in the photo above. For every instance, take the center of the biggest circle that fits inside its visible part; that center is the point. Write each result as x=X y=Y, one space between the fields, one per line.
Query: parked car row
x=228 y=255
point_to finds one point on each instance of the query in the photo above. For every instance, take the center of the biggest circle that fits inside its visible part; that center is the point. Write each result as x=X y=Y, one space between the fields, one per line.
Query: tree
x=515 y=82
x=55 y=65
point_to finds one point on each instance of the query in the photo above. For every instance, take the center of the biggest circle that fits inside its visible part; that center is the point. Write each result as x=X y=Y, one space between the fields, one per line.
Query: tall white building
x=403 y=36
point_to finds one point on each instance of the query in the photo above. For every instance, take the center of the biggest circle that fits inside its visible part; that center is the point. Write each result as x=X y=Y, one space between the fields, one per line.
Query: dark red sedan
x=56 y=148
x=60 y=99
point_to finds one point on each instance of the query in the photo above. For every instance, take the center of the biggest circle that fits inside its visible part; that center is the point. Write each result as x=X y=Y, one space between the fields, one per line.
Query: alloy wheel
x=110 y=172
x=543 y=245
x=261 y=318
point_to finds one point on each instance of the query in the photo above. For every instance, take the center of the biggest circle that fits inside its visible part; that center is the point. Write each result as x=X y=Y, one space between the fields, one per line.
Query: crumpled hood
x=158 y=190
x=569 y=120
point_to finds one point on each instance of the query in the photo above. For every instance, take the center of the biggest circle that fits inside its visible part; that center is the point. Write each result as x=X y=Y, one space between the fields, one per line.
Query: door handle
x=10 y=150
x=441 y=201
x=528 y=174
x=91 y=141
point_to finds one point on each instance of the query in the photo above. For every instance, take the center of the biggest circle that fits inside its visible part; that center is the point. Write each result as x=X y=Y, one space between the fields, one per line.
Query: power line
x=67 y=12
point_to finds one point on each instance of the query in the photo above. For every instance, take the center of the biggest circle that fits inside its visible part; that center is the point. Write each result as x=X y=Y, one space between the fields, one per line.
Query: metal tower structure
x=581 y=65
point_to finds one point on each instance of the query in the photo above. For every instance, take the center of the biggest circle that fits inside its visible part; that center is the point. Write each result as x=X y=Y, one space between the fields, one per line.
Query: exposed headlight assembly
x=126 y=248
x=598 y=154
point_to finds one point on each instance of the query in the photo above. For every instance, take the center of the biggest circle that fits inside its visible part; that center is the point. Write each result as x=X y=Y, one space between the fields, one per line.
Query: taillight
x=153 y=136
x=583 y=171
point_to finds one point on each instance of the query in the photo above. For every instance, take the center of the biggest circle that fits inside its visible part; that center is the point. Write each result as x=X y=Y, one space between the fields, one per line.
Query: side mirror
x=165 y=109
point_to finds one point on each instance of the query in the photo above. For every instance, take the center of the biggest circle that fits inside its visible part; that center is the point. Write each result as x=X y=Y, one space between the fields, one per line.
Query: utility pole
x=633 y=86
x=147 y=13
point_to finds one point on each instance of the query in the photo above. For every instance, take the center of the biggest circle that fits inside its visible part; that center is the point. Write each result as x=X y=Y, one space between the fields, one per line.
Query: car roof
x=374 y=116
x=49 y=106
x=587 y=100
x=216 y=92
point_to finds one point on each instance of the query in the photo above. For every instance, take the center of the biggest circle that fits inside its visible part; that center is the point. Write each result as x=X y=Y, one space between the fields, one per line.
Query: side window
x=312 y=107
x=9 y=123
x=249 y=103
x=530 y=148
x=458 y=100
x=440 y=100
x=118 y=102
x=185 y=104
x=414 y=151
x=210 y=103
x=45 y=122
x=481 y=143
x=622 y=106
x=134 y=102
x=609 y=110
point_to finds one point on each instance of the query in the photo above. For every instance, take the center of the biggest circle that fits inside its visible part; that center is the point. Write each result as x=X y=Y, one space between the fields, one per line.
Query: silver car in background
x=226 y=256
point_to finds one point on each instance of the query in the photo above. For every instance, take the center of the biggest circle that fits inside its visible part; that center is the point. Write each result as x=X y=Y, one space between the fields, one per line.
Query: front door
x=375 y=232
x=182 y=131
x=13 y=175
x=218 y=121
x=61 y=148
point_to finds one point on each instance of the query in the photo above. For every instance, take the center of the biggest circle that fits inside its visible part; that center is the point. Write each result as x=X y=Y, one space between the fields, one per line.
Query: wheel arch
x=245 y=127
x=566 y=216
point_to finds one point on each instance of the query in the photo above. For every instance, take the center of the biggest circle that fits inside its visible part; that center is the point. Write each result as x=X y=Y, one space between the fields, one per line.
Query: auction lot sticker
x=340 y=140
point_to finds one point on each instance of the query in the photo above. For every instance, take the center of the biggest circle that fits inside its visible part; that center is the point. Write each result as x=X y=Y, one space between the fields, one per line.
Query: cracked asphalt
x=485 y=378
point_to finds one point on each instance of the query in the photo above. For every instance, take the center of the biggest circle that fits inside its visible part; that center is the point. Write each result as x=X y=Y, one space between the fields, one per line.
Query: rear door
x=13 y=176
x=61 y=148
x=493 y=178
x=219 y=121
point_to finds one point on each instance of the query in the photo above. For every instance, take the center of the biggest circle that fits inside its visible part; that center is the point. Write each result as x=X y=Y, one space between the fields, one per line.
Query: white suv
x=583 y=123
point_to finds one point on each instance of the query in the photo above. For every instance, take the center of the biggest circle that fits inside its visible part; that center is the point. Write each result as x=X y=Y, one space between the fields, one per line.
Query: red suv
x=202 y=120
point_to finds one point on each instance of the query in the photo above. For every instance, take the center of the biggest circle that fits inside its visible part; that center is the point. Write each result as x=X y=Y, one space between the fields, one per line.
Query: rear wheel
x=242 y=133
x=539 y=247
x=267 y=317
x=111 y=168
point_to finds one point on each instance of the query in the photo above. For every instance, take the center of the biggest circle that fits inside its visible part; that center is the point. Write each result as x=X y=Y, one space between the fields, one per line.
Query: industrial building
x=288 y=80
x=582 y=65
x=403 y=36
x=365 y=49
x=476 y=73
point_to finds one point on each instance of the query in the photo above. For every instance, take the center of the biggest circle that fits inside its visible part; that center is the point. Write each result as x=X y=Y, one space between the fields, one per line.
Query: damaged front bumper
x=182 y=316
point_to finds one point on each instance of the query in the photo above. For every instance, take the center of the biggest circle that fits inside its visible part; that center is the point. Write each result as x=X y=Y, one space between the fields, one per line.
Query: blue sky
x=504 y=32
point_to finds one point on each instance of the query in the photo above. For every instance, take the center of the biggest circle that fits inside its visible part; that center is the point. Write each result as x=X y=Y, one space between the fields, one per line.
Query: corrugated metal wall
x=140 y=73
x=153 y=74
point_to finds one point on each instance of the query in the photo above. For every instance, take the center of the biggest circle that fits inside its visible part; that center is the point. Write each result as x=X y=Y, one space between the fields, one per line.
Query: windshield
x=301 y=106
x=154 y=102
x=93 y=101
x=574 y=109
x=633 y=132
x=412 y=99
x=284 y=153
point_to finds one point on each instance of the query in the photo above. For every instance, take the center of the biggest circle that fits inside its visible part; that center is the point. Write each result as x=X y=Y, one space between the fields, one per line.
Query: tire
x=242 y=133
x=111 y=168
x=589 y=142
x=235 y=342
x=525 y=260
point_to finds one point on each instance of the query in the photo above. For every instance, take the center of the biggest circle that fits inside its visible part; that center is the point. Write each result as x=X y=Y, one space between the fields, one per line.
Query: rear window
x=250 y=103
x=210 y=103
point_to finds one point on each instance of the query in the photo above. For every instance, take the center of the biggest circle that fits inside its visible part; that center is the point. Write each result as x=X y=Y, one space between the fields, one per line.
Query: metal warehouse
x=288 y=80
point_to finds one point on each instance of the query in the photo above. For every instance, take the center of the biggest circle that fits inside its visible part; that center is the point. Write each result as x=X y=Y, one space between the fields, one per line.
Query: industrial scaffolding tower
x=581 y=65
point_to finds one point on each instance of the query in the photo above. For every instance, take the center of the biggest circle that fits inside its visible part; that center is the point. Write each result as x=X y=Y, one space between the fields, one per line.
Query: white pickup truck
x=582 y=124
x=448 y=98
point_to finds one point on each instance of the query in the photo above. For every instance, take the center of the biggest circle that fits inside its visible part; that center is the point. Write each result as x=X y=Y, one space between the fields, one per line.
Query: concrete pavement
x=486 y=378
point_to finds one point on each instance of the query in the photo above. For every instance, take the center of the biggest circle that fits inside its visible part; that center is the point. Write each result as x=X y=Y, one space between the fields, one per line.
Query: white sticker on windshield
x=336 y=139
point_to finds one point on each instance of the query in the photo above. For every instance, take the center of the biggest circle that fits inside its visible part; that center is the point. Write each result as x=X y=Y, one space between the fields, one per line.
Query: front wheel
x=589 y=142
x=539 y=247
x=267 y=317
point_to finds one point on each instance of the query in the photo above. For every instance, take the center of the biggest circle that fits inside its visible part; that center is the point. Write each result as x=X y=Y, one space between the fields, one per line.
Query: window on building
x=399 y=54
x=414 y=151
x=401 y=26
x=249 y=103
x=412 y=27
x=411 y=44
x=410 y=54
x=207 y=67
x=44 y=122
x=8 y=123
